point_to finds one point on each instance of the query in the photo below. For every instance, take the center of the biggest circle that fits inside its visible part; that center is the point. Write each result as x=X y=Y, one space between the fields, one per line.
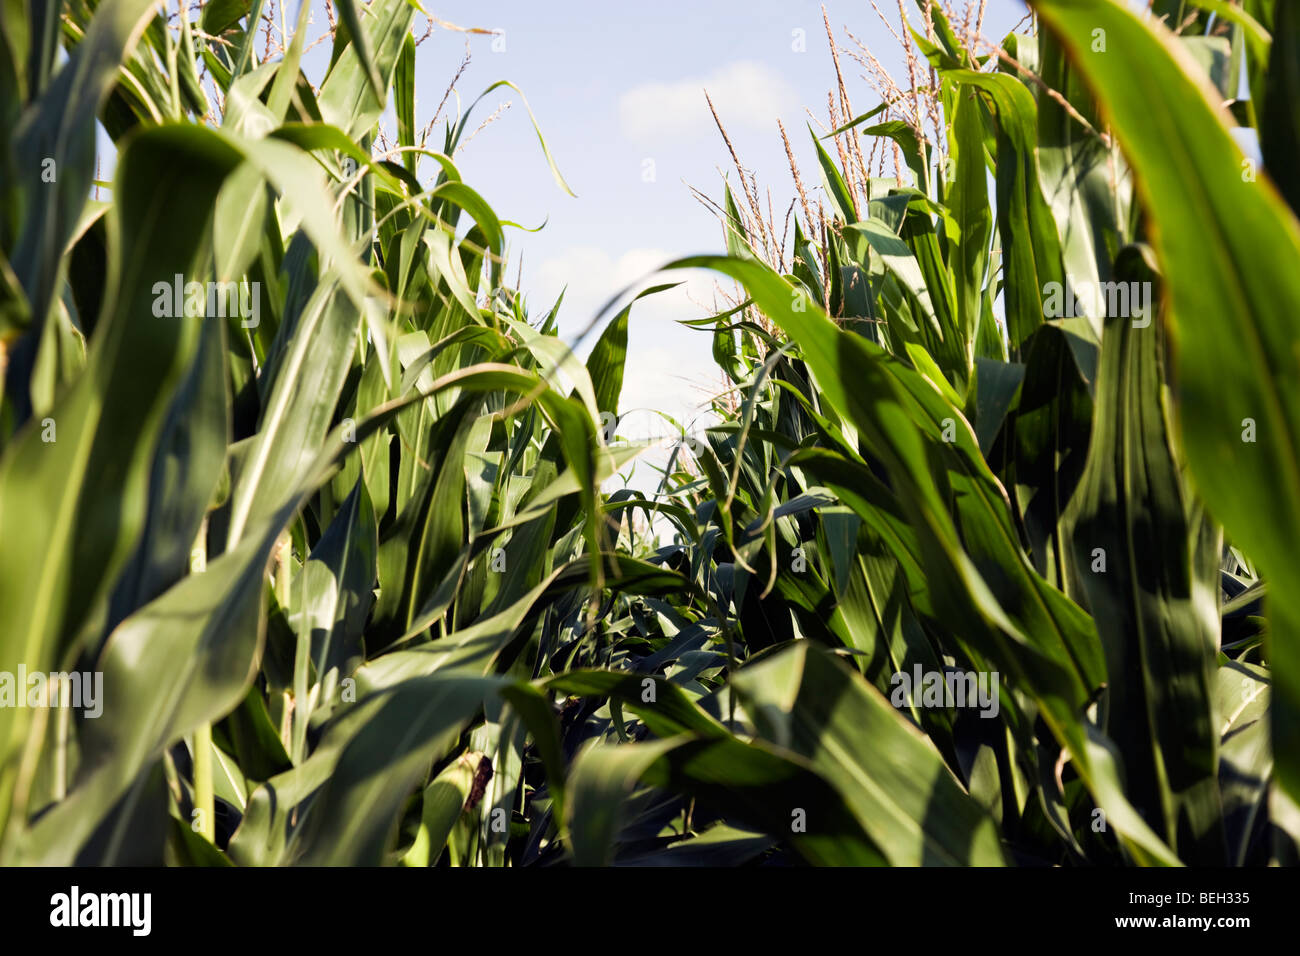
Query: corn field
x=315 y=547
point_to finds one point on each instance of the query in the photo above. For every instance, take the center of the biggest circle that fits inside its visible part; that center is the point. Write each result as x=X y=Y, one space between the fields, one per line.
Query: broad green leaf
x=352 y=819
x=1141 y=559
x=1279 y=130
x=1227 y=245
x=1030 y=245
x=352 y=96
x=213 y=623
x=83 y=494
x=1030 y=631
x=54 y=153
x=888 y=771
x=404 y=102
x=602 y=778
x=182 y=478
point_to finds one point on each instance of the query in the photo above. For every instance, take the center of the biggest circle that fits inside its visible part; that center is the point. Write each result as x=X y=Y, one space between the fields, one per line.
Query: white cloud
x=745 y=93
x=593 y=276
x=669 y=368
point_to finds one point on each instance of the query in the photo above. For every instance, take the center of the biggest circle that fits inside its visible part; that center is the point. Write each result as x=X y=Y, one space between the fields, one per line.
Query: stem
x=175 y=90
x=203 y=798
x=302 y=656
x=62 y=721
x=282 y=551
x=201 y=745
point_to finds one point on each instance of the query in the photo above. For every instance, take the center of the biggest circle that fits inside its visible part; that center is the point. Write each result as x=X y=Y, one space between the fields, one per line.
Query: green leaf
x=546 y=150
x=1241 y=700
x=220 y=15
x=214 y=625
x=836 y=189
x=304 y=389
x=997 y=385
x=56 y=136
x=1030 y=245
x=361 y=43
x=352 y=820
x=83 y=494
x=1077 y=176
x=971 y=217
x=907 y=800
x=441 y=805
x=182 y=478
x=286 y=74
x=1279 y=127
x=899 y=261
x=602 y=778
x=1031 y=633
x=1152 y=595
x=336 y=590
x=352 y=96
x=404 y=102
x=1227 y=247
x=609 y=354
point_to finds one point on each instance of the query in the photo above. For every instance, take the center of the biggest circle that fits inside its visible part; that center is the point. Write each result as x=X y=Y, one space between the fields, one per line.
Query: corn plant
x=276 y=427
x=287 y=462
x=924 y=483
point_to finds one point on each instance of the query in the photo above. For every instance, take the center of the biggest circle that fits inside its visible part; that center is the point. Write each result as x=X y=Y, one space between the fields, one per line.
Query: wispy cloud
x=746 y=94
x=593 y=276
x=668 y=367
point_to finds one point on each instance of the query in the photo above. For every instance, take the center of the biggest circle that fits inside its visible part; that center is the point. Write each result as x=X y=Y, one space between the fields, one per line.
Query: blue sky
x=615 y=87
